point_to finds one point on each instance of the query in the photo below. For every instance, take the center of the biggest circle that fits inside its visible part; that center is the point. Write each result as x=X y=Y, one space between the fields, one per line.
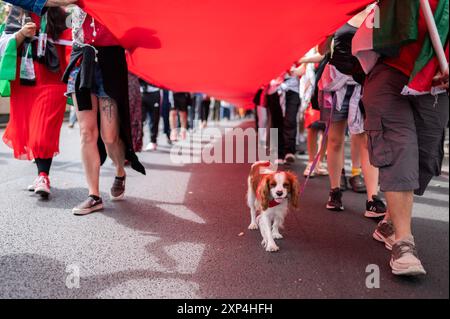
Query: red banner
x=226 y=48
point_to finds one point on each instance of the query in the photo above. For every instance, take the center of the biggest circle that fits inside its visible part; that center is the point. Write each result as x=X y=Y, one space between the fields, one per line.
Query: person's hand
x=59 y=3
x=440 y=80
x=28 y=30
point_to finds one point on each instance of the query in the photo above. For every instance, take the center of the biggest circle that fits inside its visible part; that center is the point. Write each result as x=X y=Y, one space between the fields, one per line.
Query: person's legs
x=276 y=117
x=335 y=150
x=355 y=151
x=335 y=158
x=401 y=204
x=393 y=148
x=356 y=181
x=312 y=143
x=262 y=123
x=183 y=123
x=72 y=117
x=110 y=133
x=323 y=146
x=431 y=115
x=152 y=102
x=154 y=129
x=370 y=172
x=44 y=165
x=290 y=124
x=173 y=120
x=41 y=186
x=90 y=157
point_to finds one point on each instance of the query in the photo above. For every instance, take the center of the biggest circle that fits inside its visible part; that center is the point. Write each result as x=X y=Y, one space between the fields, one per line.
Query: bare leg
x=335 y=152
x=312 y=144
x=355 y=151
x=89 y=149
x=370 y=172
x=173 y=120
x=110 y=132
x=400 y=207
x=323 y=150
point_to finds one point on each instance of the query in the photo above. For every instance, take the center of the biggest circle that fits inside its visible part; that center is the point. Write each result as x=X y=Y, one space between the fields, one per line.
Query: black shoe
x=357 y=184
x=344 y=184
x=375 y=208
x=335 y=200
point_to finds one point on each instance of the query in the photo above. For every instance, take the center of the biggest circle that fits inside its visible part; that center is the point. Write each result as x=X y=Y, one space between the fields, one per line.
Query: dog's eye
x=273 y=184
x=285 y=185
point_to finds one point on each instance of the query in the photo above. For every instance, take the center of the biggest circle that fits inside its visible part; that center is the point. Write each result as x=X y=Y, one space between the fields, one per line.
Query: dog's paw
x=277 y=235
x=272 y=248
x=253 y=226
x=264 y=243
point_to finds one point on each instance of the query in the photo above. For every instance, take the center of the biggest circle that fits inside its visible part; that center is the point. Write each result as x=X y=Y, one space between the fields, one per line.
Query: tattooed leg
x=110 y=132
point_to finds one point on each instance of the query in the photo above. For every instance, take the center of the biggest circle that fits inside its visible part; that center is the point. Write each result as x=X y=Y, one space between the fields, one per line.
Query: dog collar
x=273 y=203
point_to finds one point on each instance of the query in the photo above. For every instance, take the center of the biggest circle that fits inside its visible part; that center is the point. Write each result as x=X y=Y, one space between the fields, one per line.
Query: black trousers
x=204 y=110
x=276 y=120
x=151 y=108
x=290 y=122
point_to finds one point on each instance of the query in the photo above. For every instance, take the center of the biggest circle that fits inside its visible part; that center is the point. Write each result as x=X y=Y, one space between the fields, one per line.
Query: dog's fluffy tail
x=261 y=167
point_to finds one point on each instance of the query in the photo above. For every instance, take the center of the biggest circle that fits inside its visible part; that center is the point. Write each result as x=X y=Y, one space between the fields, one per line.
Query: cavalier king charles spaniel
x=270 y=195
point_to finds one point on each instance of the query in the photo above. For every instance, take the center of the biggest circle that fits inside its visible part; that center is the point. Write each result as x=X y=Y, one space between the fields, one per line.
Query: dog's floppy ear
x=295 y=189
x=263 y=192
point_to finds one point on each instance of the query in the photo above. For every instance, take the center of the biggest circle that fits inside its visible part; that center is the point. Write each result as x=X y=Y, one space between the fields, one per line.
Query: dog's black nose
x=279 y=193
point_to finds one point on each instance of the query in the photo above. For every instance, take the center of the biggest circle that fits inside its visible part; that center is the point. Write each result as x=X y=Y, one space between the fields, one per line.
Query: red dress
x=37 y=112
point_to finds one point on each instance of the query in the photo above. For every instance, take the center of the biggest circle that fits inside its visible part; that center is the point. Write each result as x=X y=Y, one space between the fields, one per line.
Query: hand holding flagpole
x=434 y=35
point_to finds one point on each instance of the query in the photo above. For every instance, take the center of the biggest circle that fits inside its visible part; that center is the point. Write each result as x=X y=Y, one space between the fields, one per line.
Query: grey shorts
x=406 y=133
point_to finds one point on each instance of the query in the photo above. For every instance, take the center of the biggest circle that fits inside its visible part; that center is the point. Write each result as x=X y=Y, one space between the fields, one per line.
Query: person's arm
x=27 y=31
x=37 y=6
x=317 y=58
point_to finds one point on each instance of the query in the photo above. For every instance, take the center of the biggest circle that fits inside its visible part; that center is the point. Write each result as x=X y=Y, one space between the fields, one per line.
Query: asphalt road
x=182 y=233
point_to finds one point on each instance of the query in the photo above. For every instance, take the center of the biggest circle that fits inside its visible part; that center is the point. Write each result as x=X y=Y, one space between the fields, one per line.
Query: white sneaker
x=321 y=170
x=42 y=186
x=32 y=187
x=308 y=172
x=151 y=147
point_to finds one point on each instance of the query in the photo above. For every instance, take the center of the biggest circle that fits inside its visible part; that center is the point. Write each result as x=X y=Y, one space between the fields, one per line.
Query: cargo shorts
x=405 y=133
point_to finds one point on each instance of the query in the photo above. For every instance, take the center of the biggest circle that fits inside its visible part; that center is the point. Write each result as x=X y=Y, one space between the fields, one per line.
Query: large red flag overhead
x=226 y=48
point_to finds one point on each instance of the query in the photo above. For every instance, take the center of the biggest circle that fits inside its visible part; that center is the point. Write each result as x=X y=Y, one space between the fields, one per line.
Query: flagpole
x=434 y=35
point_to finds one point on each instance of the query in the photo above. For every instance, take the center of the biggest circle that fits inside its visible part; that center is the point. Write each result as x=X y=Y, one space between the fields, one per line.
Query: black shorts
x=181 y=102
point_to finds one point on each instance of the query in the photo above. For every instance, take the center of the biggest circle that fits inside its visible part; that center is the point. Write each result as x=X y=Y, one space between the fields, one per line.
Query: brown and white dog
x=270 y=195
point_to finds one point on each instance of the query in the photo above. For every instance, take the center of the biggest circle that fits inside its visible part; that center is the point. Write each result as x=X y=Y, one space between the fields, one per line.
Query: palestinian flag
x=8 y=58
x=398 y=26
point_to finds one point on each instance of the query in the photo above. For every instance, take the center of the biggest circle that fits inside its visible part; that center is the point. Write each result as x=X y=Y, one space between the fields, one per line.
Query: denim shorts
x=98 y=89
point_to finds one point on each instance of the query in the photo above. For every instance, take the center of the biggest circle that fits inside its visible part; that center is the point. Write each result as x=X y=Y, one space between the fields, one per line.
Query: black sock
x=94 y=197
x=43 y=165
x=120 y=178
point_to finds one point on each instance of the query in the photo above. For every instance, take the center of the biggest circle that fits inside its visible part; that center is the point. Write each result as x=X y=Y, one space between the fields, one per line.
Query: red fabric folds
x=225 y=48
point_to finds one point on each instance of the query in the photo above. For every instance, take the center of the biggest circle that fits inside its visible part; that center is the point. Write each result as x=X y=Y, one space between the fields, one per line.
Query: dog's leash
x=316 y=158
